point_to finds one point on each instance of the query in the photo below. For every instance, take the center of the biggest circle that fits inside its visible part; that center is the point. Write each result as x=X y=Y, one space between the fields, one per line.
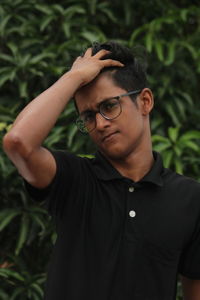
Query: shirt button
x=131 y=189
x=132 y=213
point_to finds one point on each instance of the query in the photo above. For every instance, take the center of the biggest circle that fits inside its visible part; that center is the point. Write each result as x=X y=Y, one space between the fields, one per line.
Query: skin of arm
x=191 y=288
x=23 y=143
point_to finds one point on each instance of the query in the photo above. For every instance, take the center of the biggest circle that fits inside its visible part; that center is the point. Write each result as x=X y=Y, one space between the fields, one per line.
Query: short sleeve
x=189 y=265
x=69 y=172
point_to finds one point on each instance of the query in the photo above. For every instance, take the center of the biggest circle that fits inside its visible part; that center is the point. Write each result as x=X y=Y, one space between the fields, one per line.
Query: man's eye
x=110 y=105
x=89 y=117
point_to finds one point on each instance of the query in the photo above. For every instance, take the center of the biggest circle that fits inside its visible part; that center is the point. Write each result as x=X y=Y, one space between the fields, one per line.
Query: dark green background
x=38 y=42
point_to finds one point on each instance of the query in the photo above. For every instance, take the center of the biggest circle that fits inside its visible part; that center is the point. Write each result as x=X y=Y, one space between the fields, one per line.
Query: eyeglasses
x=109 y=109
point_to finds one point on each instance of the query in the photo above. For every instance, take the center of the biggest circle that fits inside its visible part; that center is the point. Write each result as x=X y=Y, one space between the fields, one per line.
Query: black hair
x=130 y=77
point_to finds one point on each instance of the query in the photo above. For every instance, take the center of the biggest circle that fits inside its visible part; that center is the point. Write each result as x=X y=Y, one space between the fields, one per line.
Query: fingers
x=88 y=52
x=111 y=63
x=98 y=55
x=107 y=62
x=101 y=53
x=97 y=60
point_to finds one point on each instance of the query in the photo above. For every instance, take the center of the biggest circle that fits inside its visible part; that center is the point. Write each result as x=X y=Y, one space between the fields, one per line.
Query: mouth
x=109 y=136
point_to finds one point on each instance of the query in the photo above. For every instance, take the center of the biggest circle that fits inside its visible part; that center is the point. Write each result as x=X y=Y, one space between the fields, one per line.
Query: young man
x=126 y=225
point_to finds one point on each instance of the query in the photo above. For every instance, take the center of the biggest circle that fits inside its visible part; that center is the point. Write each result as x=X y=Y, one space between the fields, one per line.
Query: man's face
x=115 y=138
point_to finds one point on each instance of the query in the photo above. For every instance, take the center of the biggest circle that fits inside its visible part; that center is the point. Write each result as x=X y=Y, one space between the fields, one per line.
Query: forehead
x=98 y=90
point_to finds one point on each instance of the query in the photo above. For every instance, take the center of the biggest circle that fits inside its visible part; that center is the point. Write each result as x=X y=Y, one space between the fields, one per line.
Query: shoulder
x=176 y=178
x=181 y=184
x=66 y=161
x=66 y=156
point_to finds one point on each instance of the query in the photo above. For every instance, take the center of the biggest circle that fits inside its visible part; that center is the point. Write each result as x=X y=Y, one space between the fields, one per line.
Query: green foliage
x=23 y=286
x=38 y=42
x=177 y=149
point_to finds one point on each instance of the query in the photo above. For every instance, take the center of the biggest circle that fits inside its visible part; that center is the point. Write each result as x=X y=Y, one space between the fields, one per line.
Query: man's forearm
x=37 y=119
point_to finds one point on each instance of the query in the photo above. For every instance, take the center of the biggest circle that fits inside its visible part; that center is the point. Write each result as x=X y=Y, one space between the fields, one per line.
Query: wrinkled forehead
x=89 y=96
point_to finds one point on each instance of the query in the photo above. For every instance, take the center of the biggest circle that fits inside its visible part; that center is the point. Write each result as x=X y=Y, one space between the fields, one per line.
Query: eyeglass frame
x=107 y=118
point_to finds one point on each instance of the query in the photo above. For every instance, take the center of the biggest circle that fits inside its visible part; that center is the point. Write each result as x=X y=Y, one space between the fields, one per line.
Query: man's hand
x=87 y=67
x=191 y=288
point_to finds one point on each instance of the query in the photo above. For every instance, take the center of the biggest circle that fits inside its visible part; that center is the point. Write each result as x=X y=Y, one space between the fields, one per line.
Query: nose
x=101 y=122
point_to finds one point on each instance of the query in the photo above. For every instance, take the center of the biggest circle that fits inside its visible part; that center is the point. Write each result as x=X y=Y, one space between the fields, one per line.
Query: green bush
x=39 y=40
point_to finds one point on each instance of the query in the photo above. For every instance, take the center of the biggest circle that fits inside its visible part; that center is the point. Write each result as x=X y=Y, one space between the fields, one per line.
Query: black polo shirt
x=119 y=239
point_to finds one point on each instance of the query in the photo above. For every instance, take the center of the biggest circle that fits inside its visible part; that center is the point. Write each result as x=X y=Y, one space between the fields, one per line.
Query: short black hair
x=133 y=75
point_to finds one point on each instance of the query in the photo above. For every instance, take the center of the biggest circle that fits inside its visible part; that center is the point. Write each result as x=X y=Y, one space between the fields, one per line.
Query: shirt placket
x=131 y=217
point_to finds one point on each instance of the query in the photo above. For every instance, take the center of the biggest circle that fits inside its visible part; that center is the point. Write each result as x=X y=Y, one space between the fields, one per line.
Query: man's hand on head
x=88 y=66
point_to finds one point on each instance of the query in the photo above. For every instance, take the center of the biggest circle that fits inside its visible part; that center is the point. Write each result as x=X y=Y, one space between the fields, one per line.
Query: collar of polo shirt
x=105 y=171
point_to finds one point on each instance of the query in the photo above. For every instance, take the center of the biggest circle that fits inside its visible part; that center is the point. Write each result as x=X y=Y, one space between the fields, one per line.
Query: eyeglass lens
x=109 y=109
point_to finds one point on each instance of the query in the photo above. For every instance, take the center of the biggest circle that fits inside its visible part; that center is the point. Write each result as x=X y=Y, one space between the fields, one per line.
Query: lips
x=108 y=136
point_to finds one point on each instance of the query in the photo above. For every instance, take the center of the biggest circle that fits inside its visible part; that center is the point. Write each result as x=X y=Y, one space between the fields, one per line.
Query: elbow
x=11 y=141
x=13 y=144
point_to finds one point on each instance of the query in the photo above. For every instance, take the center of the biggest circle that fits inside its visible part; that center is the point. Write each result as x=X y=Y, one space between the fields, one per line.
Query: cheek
x=131 y=119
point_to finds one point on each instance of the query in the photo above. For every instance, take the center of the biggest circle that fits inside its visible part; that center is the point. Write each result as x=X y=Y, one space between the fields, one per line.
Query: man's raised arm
x=23 y=143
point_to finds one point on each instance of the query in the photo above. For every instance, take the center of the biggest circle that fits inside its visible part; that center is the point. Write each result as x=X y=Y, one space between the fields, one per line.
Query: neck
x=135 y=165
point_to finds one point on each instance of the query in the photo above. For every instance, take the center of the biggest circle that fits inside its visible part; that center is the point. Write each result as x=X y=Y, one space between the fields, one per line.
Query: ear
x=146 y=101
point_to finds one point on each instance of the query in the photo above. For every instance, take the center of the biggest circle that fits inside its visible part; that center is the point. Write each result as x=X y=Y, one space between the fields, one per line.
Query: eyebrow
x=97 y=105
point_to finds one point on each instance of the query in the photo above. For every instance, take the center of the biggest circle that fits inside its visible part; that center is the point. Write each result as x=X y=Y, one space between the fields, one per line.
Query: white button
x=131 y=189
x=132 y=213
